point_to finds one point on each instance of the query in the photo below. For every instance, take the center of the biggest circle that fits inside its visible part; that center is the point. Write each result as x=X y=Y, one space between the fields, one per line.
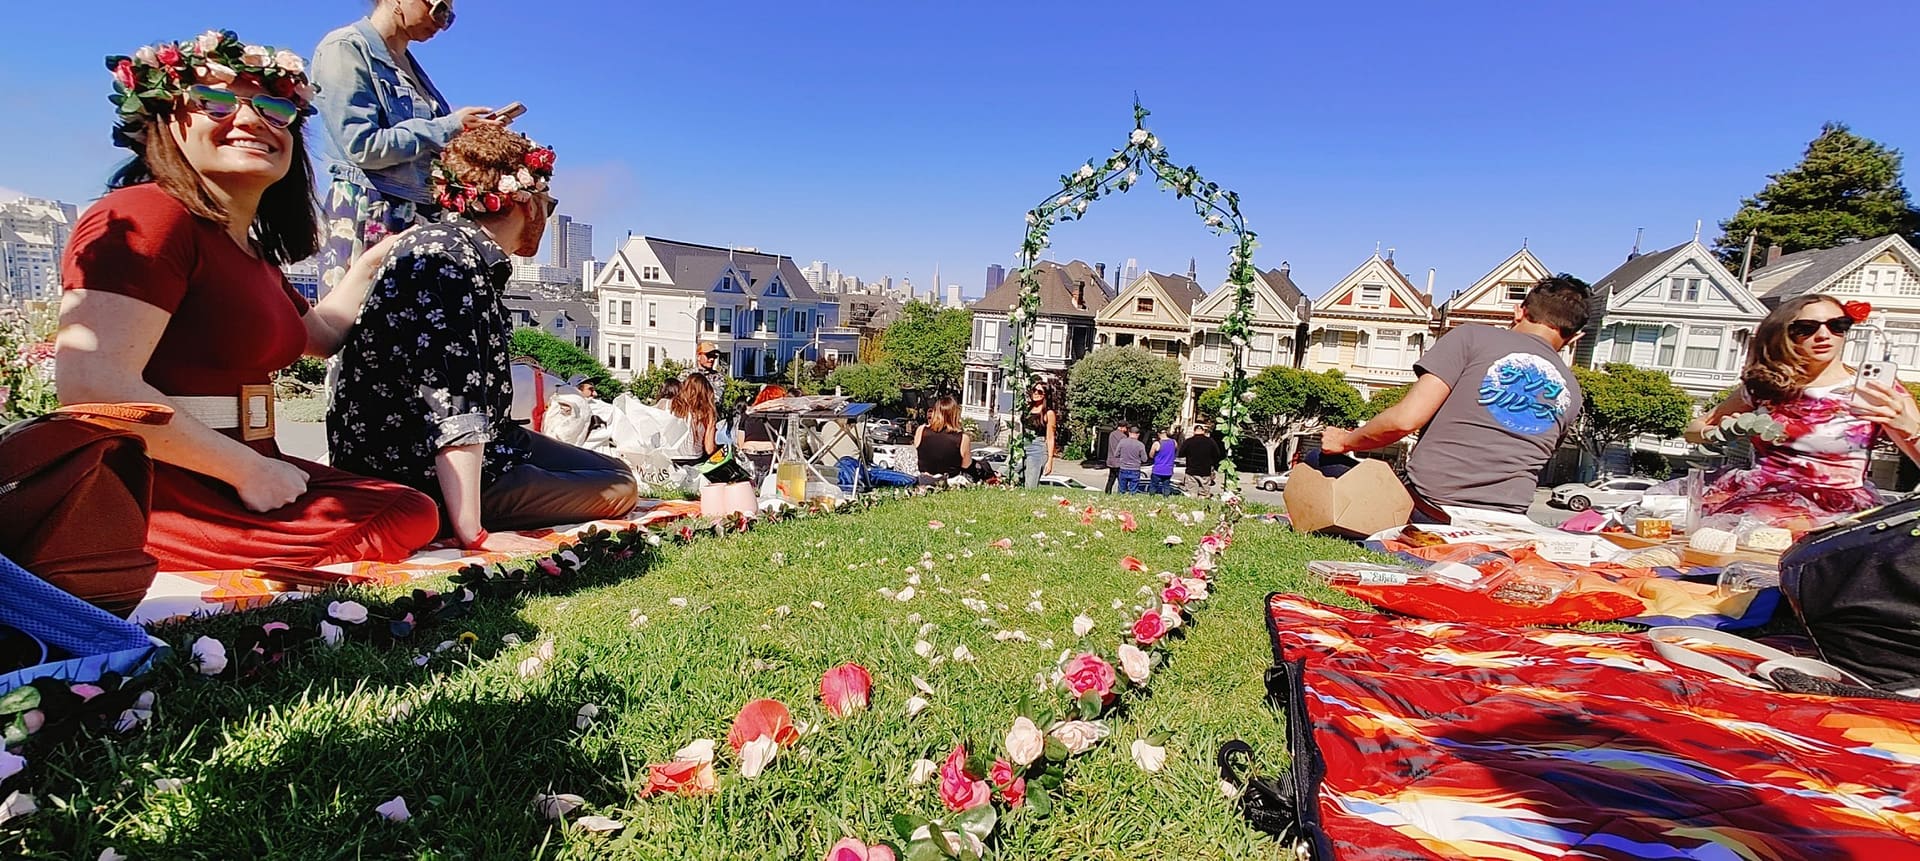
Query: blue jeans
x=1161 y=485
x=1130 y=481
x=1036 y=463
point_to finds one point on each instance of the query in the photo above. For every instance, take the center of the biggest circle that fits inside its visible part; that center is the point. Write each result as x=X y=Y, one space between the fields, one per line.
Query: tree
x=868 y=384
x=808 y=378
x=1287 y=402
x=1383 y=399
x=564 y=360
x=1115 y=384
x=1845 y=187
x=928 y=346
x=1623 y=402
x=647 y=384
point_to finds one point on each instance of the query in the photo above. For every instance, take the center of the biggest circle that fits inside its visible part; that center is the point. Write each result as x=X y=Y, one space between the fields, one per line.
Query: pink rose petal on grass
x=1128 y=563
x=846 y=689
x=935 y=524
x=852 y=849
x=762 y=718
x=1002 y=544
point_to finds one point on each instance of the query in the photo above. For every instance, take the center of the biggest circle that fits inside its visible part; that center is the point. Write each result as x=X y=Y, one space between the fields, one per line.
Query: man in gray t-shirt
x=1491 y=405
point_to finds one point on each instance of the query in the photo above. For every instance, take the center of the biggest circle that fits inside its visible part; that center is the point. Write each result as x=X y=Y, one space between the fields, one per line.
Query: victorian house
x=659 y=298
x=1153 y=313
x=1677 y=311
x=1279 y=313
x=1883 y=272
x=1372 y=326
x=1072 y=295
x=1492 y=299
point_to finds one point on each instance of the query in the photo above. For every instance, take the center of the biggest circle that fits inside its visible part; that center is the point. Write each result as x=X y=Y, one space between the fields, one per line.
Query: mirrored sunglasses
x=442 y=12
x=1803 y=329
x=221 y=104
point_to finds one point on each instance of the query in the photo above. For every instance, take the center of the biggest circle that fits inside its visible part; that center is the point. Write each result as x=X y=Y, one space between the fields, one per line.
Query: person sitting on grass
x=1130 y=455
x=1164 y=452
x=945 y=450
x=668 y=391
x=426 y=392
x=693 y=404
x=1491 y=406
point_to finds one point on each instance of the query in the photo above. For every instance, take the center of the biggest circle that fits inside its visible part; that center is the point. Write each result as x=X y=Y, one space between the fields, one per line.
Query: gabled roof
x=1399 y=290
x=1059 y=289
x=543 y=311
x=1804 y=272
x=1179 y=289
x=1521 y=264
x=1627 y=285
x=1624 y=275
x=696 y=268
x=1177 y=295
x=1273 y=293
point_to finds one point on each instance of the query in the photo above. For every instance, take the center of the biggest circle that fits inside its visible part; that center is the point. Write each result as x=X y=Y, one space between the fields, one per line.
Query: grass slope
x=292 y=765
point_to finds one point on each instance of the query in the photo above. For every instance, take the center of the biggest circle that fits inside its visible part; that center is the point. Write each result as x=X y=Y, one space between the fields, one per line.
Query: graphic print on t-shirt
x=1525 y=393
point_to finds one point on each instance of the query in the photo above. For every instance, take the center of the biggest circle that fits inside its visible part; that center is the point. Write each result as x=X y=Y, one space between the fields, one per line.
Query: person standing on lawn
x=1203 y=457
x=1491 y=406
x=1131 y=455
x=1113 y=447
x=173 y=295
x=1042 y=420
x=1164 y=451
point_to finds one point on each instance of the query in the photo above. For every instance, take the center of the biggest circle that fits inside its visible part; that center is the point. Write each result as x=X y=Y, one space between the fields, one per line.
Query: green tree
x=1382 y=399
x=1845 y=187
x=928 y=346
x=564 y=360
x=1288 y=402
x=647 y=384
x=1122 y=383
x=1623 y=402
x=868 y=384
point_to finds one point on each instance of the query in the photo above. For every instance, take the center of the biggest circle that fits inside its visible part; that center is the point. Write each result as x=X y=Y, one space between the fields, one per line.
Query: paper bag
x=1366 y=500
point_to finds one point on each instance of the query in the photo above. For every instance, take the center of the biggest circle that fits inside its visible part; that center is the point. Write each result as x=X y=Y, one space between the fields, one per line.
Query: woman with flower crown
x=425 y=388
x=173 y=295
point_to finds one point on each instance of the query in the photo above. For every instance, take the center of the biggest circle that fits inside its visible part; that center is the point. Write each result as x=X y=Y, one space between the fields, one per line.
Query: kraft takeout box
x=1366 y=500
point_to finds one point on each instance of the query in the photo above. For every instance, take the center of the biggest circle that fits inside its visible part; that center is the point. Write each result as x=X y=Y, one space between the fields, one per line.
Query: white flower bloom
x=146 y=56
x=256 y=55
x=289 y=62
x=923 y=771
x=757 y=755
x=347 y=612
x=1149 y=757
x=962 y=655
x=509 y=184
x=1135 y=663
x=699 y=750
x=18 y=804
x=1138 y=137
x=1025 y=742
x=1082 y=625
x=395 y=810
x=1170 y=616
x=1079 y=736
x=1086 y=171
x=111 y=854
x=209 y=656
x=916 y=705
x=331 y=634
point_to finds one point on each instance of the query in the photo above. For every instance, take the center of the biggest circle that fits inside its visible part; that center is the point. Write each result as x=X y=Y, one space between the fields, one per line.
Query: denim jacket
x=378 y=133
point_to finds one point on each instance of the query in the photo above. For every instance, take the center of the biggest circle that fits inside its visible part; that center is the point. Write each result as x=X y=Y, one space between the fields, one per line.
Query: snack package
x=1531 y=585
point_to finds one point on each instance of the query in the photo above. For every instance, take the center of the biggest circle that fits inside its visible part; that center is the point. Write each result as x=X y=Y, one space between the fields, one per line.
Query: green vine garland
x=1219 y=209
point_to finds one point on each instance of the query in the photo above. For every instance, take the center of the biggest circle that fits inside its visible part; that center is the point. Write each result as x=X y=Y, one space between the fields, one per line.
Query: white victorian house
x=1678 y=311
x=1279 y=310
x=659 y=298
x=1372 y=326
x=1883 y=272
x=1491 y=299
x=1153 y=312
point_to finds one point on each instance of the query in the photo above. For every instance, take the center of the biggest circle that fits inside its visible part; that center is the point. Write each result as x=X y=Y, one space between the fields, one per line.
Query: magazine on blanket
x=1501 y=530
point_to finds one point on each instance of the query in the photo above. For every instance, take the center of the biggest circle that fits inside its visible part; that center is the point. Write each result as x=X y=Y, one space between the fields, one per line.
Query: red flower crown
x=454 y=196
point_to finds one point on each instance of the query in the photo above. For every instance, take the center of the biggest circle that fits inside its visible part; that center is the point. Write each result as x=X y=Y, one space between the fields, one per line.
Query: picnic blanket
x=1458 y=740
x=199 y=593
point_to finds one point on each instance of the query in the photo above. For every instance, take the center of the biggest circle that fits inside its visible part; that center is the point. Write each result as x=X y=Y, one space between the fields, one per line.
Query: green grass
x=292 y=765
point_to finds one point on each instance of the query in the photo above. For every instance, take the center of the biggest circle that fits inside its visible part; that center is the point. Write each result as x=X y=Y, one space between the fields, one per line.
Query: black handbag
x=1856 y=587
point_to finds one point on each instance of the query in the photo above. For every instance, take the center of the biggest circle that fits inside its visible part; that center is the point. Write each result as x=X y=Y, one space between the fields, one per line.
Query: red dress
x=235 y=320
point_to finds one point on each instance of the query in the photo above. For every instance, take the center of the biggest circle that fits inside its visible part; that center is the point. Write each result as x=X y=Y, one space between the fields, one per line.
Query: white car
x=1274 y=481
x=989 y=454
x=1608 y=493
x=1063 y=481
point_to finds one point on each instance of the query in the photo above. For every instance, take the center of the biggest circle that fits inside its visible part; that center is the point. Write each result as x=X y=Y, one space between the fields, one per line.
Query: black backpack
x=1856 y=587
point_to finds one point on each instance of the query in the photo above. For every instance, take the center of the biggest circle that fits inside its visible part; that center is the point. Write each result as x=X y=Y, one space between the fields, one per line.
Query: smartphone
x=510 y=112
x=1886 y=373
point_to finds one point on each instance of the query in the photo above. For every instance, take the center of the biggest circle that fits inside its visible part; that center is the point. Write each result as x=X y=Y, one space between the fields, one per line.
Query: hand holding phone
x=1884 y=373
x=510 y=112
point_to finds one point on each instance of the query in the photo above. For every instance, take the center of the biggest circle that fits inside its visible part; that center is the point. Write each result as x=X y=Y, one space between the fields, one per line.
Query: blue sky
x=887 y=137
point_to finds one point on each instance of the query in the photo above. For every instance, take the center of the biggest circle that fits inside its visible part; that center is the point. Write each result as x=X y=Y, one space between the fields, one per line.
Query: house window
x=1262 y=351
x=976 y=395
x=1372 y=295
x=1143 y=305
x=726 y=320
x=626 y=357
x=612 y=306
x=653 y=357
x=1515 y=292
x=1362 y=349
x=989 y=337
x=1210 y=344
x=1622 y=343
x=1703 y=349
x=583 y=341
x=1669 y=337
x=626 y=313
x=801 y=323
x=770 y=323
x=1683 y=289
x=559 y=323
x=767 y=363
x=759 y=319
x=620 y=275
x=1386 y=350
x=706 y=319
x=1329 y=346
x=653 y=314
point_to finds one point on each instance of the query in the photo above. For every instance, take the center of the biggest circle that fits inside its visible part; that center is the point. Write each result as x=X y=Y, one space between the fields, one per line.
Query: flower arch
x=1218 y=208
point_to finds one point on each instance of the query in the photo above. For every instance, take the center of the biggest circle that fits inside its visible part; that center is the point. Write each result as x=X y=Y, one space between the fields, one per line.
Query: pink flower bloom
x=1013 y=789
x=958 y=789
x=1089 y=672
x=1175 y=593
x=1150 y=628
x=845 y=689
x=851 y=849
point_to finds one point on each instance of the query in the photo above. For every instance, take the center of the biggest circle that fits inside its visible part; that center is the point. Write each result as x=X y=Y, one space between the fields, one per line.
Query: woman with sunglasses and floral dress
x=174 y=295
x=1816 y=430
x=383 y=121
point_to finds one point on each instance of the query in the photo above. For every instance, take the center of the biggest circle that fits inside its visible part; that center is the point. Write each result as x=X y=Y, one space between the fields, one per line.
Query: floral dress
x=1816 y=474
x=425 y=366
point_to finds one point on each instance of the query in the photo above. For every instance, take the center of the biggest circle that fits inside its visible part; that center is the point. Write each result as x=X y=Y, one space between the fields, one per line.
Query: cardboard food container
x=1366 y=500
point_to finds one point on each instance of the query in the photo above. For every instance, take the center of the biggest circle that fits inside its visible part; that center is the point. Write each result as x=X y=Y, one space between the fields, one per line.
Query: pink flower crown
x=454 y=196
x=149 y=83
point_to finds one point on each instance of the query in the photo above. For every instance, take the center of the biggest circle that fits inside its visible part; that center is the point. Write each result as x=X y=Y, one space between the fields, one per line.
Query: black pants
x=560 y=484
x=1113 y=477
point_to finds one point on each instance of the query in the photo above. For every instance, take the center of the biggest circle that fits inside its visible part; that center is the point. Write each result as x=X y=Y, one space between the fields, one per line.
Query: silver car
x=1606 y=493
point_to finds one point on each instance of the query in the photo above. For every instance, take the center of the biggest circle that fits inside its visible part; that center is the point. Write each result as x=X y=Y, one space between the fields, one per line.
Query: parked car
x=882 y=430
x=1274 y=481
x=989 y=454
x=1606 y=493
x=1064 y=481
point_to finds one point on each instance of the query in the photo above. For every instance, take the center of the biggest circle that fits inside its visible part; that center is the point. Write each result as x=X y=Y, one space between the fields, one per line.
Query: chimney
x=1080 y=294
x=1286 y=267
x=1430 y=272
x=1773 y=254
x=1102 y=269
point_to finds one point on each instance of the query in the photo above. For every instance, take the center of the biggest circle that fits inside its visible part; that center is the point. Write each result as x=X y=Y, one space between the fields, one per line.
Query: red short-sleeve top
x=235 y=321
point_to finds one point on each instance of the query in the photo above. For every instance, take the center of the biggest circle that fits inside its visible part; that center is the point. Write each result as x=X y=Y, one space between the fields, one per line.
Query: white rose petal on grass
x=18 y=804
x=699 y=750
x=916 y=705
x=962 y=655
x=783 y=611
x=923 y=648
x=923 y=771
x=168 y=785
x=395 y=810
x=598 y=824
x=1150 y=757
x=111 y=854
x=1082 y=625
x=1025 y=742
x=527 y=667
x=927 y=629
x=348 y=612
x=818 y=605
x=209 y=656
x=10 y=764
x=331 y=634
x=913 y=579
x=1228 y=790
x=1035 y=607
x=974 y=604
x=1079 y=736
x=920 y=684
x=905 y=595
x=1011 y=636
x=1172 y=540
x=886 y=593
x=510 y=640
x=585 y=716
x=556 y=806
x=757 y=755
x=677 y=603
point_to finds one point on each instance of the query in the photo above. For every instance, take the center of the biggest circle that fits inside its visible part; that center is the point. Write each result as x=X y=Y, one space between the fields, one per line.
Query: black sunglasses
x=442 y=12
x=1800 y=330
x=715 y=354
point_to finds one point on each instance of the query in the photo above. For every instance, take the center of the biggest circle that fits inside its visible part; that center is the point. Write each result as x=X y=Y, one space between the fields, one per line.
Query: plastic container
x=1747 y=576
x=1468 y=569
x=1531 y=585
x=1365 y=574
x=791 y=479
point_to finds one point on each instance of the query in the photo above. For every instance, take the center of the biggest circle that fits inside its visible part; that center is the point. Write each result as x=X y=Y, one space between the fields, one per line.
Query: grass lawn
x=293 y=764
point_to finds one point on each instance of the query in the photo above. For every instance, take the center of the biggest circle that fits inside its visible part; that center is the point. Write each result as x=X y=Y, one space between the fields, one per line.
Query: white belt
x=251 y=411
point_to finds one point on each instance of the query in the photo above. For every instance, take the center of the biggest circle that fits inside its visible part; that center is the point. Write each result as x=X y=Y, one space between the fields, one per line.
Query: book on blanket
x=1493 y=530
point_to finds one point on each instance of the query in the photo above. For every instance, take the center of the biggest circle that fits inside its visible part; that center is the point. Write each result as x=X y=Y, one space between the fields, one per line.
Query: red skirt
x=199 y=524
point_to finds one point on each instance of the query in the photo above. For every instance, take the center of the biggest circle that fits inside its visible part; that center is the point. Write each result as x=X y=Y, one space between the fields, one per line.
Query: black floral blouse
x=426 y=365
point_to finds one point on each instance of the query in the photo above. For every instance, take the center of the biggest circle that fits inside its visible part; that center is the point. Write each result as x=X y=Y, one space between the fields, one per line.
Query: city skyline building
x=33 y=233
x=569 y=242
x=996 y=276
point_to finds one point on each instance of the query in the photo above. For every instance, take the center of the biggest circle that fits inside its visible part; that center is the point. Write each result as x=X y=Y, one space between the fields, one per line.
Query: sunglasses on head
x=221 y=104
x=442 y=12
x=1803 y=329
